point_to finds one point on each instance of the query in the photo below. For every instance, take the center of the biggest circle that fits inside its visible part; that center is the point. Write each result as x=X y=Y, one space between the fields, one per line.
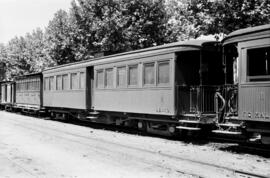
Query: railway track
x=84 y=140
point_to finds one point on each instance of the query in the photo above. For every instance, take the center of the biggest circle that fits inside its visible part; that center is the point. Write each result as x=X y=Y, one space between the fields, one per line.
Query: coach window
x=133 y=75
x=82 y=80
x=100 y=78
x=109 y=78
x=46 y=86
x=163 y=72
x=74 y=81
x=149 y=73
x=26 y=85
x=37 y=84
x=59 y=82
x=34 y=84
x=30 y=84
x=18 y=86
x=51 y=86
x=121 y=76
x=65 y=82
x=258 y=64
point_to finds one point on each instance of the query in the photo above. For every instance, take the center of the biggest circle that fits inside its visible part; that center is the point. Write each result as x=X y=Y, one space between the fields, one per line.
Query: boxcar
x=247 y=61
x=7 y=94
x=29 y=93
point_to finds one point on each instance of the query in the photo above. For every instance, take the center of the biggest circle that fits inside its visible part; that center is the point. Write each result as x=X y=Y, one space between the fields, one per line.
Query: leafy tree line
x=114 y=26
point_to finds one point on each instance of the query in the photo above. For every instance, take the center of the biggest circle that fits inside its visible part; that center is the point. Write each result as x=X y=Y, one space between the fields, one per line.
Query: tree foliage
x=26 y=54
x=225 y=16
x=118 y=25
x=113 y=26
x=58 y=38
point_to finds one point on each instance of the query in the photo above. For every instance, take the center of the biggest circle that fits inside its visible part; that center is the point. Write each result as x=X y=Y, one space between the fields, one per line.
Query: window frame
x=117 y=76
x=154 y=74
x=51 y=87
x=105 y=78
x=76 y=81
x=61 y=82
x=80 y=80
x=97 y=79
x=46 y=84
x=158 y=72
x=128 y=75
x=256 y=78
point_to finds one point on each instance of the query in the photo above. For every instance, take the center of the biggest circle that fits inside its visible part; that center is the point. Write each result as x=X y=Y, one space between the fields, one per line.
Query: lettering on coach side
x=257 y=115
x=162 y=110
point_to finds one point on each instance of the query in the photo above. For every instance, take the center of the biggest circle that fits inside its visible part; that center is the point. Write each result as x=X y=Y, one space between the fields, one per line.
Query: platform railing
x=196 y=99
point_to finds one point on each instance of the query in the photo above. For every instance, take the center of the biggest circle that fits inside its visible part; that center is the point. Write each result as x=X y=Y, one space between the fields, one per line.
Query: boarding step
x=231 y=118
x=189 y=121
x=92 y=117
x=226 y=132
x=188 y=128
x=229 y=125
x=93 y=113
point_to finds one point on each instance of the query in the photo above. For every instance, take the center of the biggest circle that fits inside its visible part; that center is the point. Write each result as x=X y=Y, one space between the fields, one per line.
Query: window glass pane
x=133 y=75
x=163 y=73
x=52 y=83
x=33 y=84
x=74 y=81
x=100 y=79
x=121 y=76
x=46 y=83
x=109 y=78
x=149 y=73
x=38 y=84
x=258 y=64
x=65 y=82
x=82 y=80
x=58 y=82
x=29 y=82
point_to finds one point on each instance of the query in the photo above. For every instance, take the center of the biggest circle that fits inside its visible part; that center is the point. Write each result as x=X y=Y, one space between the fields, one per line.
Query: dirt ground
x=34 y=147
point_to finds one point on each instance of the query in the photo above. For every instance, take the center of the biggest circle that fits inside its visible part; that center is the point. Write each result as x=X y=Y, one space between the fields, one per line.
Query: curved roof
x=28 y=75
x=248 y=33
x=177 y=46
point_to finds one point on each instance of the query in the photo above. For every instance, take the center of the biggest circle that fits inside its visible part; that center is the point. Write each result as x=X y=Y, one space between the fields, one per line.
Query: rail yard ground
x=38 y=147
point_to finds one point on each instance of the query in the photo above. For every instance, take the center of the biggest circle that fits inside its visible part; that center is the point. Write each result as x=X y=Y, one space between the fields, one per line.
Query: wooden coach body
x=145 y=82
x=253 y=53
x=150 y=81
x=7 y=93
x=65 y=87
x=251 y=48
x=29 y=92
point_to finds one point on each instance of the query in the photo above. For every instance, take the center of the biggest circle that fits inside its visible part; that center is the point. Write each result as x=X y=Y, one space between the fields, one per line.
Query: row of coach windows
x=29 y=84
x=73 y=81
x=153 y=73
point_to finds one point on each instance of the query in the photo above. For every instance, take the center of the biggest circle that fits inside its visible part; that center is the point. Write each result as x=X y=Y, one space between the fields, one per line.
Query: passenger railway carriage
x=159 y=88
x=29 y=93
x=186 y=86
x=7 y=94
x=247 y=89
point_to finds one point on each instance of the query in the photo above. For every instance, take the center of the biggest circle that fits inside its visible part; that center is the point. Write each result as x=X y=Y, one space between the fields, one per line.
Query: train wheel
x=142 y=125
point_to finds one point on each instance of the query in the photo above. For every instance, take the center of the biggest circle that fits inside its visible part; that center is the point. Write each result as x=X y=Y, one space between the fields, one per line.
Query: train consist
x=191 y=86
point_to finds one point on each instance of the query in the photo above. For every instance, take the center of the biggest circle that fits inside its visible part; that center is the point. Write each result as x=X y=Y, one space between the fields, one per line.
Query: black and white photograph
x=134 y=88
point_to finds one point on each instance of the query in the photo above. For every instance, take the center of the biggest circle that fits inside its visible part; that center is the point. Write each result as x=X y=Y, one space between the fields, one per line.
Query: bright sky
x=17 y=17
